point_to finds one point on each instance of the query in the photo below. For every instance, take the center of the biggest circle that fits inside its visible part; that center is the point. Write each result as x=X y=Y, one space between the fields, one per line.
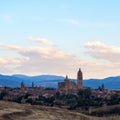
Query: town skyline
x=59 y=37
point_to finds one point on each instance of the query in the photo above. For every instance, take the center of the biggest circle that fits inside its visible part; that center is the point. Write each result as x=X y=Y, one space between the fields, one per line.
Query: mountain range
x=51 y=81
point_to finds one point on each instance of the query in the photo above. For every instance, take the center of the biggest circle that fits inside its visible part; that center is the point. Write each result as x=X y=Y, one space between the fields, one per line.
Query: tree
x=84 y=98
x=114 y=99
x=57 y=95
x=30 y=100
x=2 y=94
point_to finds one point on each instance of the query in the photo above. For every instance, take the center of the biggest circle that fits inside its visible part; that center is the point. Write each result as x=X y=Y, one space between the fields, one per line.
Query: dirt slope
x=14 y=111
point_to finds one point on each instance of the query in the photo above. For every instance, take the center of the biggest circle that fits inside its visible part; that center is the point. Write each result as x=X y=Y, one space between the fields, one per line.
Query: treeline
x=114 y=111
x=83 y=99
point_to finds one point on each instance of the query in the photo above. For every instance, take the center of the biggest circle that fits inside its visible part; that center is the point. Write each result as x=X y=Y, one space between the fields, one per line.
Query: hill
x=14 y=111
x=42 y=80
x=109 y=82
x=52 y=81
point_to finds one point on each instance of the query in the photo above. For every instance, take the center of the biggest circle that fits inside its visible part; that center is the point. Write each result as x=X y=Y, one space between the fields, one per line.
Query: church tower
x=22 y=85
x=79 y=79
x=66 y=79
x=66 y=83
x=32 y=84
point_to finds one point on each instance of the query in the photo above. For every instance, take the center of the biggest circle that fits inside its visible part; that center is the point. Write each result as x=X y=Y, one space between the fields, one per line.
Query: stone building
x=79 y=79
x=22 y=85
x=33 y=85
x=69 y=85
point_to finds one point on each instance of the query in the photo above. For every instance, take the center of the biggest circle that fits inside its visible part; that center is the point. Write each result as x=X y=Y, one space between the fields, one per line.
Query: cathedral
x=69 y=85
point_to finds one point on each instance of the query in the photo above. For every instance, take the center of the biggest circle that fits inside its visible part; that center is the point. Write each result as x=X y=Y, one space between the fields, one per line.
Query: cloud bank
x=36 y=60
x=100 y=50
x=41 y=41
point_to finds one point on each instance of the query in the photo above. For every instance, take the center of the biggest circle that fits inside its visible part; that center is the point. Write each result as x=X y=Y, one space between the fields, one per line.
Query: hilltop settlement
x=68 y=95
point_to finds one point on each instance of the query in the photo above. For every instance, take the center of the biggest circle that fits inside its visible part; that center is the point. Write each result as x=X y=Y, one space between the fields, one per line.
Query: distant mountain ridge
x=52 y=81
x=42 y=80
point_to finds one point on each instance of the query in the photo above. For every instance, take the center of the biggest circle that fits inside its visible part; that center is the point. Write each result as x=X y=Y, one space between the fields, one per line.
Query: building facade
x=69 y=85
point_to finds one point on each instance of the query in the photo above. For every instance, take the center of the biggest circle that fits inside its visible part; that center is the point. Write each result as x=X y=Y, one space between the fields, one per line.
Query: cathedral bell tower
x=79 y=79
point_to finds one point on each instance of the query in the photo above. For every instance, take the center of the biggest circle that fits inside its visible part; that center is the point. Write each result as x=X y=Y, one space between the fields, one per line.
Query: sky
x=58 y=37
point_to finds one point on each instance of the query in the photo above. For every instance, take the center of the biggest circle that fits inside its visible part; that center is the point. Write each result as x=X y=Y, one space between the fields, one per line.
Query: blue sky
x=59 y=36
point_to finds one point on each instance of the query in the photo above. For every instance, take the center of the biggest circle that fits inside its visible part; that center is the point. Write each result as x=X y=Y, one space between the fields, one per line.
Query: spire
x=66 y=77
x=103 y=87
x=79 y=78
x=22 y=85
x=79 y=70
x=32 y=84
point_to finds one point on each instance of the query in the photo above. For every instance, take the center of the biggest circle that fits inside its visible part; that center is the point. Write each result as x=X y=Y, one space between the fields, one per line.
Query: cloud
x=46 y=61
x=2 y=61
x=36 y=60
x=100 y=50
x=41 y=41
x=9 y=61
x=52 y=60
x=8 y=65
x=11 y=47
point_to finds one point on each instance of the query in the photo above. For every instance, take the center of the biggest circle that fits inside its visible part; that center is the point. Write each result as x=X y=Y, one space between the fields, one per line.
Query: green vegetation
x=83 y=101
x=2 y=94
x=114 y=99
x=114 y=111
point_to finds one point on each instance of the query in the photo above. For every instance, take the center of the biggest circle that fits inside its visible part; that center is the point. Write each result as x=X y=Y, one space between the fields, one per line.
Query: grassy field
x=14 y=111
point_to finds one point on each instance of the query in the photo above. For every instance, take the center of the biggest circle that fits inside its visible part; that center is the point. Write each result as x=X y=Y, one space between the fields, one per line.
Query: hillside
x=14 y=111
x=52 y=81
